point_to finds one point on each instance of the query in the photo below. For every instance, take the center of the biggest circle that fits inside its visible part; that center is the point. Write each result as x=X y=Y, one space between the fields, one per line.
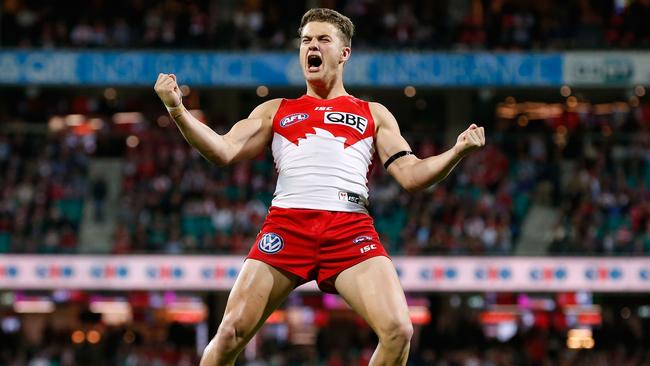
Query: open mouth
x=314 y=63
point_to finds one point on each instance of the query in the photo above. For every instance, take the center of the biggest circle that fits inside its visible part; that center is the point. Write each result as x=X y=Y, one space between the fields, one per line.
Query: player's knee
x=397 y=334
x=226 y=334
x=225 y=346
x=230 y=334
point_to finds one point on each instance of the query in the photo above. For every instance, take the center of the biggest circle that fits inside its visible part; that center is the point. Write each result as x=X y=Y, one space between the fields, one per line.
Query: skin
x=371 y=288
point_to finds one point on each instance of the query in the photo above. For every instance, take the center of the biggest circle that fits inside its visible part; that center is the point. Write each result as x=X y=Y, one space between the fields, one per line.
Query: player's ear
x=345 y=54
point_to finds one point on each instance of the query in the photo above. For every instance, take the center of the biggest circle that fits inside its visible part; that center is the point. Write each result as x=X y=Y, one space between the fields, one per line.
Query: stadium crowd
x=606 y=206
x=477 y=210
x=173 y=201
x=265 y=25
x=43 y=183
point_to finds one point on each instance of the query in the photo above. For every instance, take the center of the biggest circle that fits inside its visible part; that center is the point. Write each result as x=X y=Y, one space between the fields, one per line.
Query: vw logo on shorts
x=271 y=243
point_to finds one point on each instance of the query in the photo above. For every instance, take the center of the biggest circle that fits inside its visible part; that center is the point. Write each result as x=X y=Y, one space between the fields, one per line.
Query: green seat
x=71 y=209
x=197 y=226
x=5 y=242
x=521 y=204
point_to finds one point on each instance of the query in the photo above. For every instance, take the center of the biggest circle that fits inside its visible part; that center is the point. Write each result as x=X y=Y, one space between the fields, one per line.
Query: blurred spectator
x=99 y=192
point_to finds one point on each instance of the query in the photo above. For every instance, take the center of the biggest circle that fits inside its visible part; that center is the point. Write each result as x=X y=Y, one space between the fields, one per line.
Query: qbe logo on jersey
x=348 y=119
x=271 y=243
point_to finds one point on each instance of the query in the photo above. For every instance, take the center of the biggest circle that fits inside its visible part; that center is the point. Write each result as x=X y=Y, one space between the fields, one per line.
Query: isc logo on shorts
x=367 y=248
x=348 y=119
x=270 y=243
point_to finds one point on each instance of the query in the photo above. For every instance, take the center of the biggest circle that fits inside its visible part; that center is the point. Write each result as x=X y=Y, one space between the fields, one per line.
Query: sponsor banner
x=118 y=272
x=525 y=274
x=427 y=274
x=133 y=68
x=607 y=69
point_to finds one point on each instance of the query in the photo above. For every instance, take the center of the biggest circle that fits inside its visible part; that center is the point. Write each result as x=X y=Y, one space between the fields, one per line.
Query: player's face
x=322 y=52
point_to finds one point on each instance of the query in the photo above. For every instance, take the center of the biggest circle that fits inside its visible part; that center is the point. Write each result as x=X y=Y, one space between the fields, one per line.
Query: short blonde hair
x=340 y=21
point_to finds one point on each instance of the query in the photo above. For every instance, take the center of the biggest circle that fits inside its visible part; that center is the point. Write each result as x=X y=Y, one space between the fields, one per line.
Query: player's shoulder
x=376 y=107
x=267 y=109
x=271 y=104
x=380 y=113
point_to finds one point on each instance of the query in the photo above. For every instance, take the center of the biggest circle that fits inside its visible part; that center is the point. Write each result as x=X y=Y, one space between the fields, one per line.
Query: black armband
x=396 y=156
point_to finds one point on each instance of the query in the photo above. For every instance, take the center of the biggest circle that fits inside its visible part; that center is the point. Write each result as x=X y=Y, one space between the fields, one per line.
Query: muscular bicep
x=389 y=138
x=248 y=137
x=411 y=173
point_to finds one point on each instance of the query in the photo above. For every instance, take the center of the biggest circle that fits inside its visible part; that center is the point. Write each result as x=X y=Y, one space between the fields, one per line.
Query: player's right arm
x=246 y=139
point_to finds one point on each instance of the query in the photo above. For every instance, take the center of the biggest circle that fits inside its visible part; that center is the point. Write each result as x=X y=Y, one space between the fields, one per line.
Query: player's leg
x=258 y=290
x=373 y=290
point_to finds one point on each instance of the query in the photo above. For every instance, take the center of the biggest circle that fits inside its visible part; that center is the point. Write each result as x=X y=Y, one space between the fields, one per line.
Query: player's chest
x=353 y=124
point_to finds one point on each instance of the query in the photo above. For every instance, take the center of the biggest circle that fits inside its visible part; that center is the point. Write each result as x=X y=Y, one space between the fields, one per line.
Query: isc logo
x=367 y=248
x=348 y=119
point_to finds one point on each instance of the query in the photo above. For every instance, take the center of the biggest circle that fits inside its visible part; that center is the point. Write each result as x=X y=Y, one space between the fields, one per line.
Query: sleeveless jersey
x=323 y=150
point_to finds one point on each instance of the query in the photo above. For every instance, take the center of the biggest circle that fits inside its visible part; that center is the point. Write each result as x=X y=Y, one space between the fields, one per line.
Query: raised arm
x=246 y=138
x=411 y=172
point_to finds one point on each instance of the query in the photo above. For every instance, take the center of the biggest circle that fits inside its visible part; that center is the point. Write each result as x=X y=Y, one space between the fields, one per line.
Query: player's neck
x=326 y=90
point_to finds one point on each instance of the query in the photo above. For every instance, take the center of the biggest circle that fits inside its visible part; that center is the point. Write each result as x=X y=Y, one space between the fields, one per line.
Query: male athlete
x=318 y=227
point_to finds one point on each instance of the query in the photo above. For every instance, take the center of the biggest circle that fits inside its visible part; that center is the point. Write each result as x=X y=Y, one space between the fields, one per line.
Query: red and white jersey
x=323 y=150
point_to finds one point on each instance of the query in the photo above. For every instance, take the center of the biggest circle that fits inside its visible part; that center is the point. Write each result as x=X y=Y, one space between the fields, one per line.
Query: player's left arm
x=411 y=172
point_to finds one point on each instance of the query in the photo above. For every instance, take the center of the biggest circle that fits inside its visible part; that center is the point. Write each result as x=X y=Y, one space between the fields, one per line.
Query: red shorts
x=316 y=244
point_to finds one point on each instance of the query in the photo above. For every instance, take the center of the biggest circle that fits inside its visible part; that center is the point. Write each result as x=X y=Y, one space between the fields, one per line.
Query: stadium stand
x=265 y=25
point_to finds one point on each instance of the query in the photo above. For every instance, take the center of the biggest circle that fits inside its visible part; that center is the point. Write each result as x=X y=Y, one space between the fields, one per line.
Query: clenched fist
x=469 y=140
x=168 y=90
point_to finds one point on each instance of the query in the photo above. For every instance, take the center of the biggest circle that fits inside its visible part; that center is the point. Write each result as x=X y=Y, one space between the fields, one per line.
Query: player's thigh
x=258 y=290
x=373 y=290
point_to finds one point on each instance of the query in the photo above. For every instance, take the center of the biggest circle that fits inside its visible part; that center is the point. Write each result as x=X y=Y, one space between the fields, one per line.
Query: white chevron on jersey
x=313 y=173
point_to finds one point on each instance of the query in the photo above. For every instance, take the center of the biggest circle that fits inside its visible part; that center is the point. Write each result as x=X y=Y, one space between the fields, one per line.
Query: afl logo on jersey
x=348 y=119
x=292 y=119
x=271 y=243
